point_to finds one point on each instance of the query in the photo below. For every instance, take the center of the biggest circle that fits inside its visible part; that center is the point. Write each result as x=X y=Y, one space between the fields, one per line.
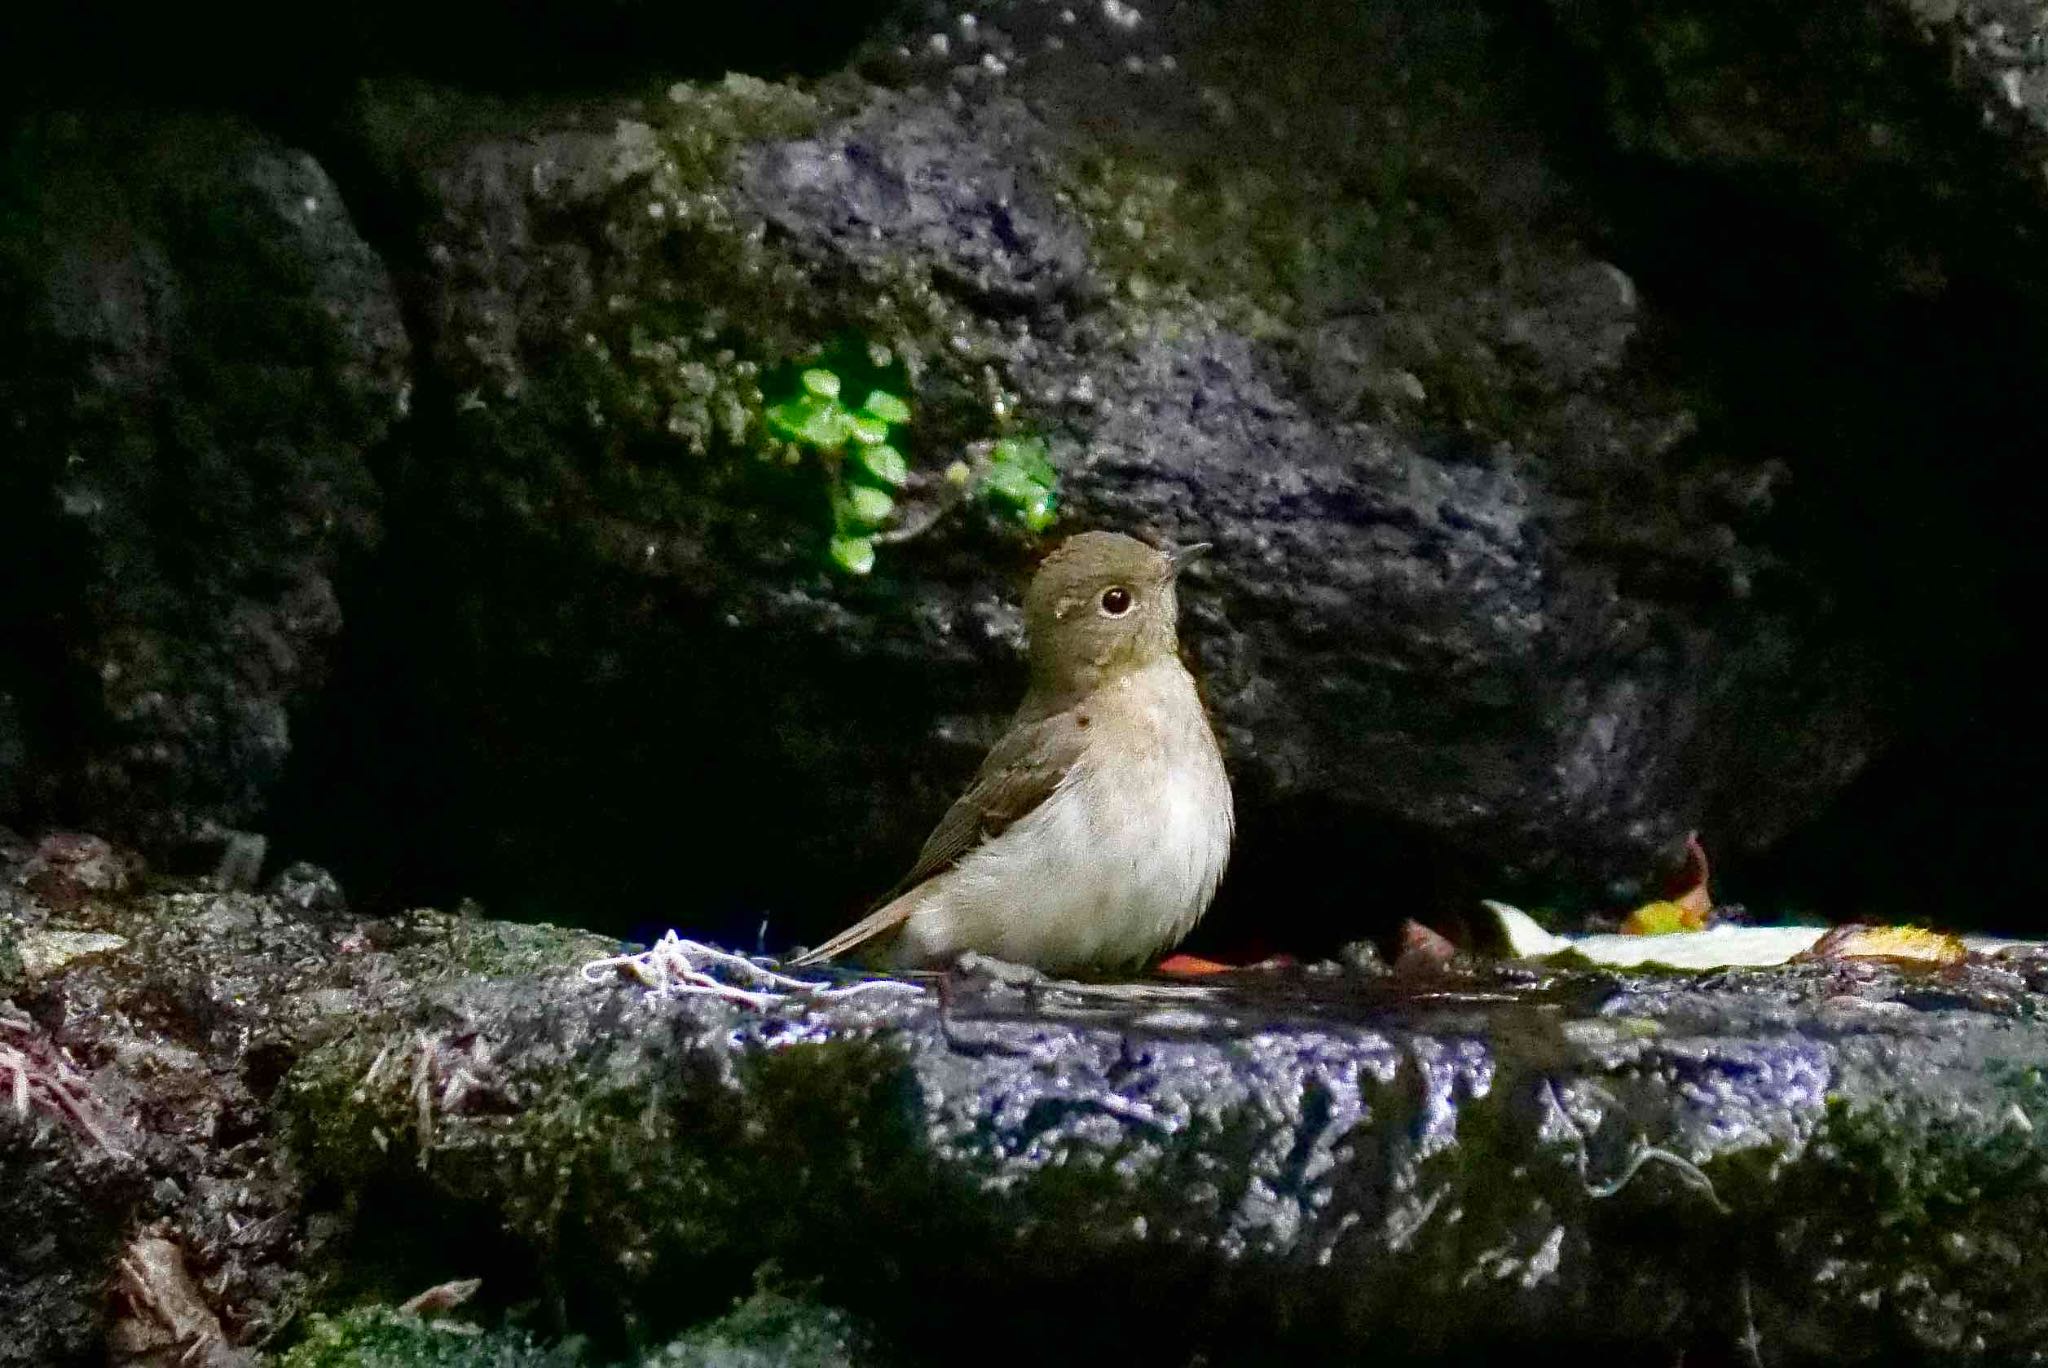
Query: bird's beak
x=1181 y=557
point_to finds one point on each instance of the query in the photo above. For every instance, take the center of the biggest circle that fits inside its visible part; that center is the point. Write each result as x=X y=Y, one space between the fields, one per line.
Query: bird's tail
x=883 y=921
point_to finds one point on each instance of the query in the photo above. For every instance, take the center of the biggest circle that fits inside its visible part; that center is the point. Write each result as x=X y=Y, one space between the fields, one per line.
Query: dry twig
x=38 y=1077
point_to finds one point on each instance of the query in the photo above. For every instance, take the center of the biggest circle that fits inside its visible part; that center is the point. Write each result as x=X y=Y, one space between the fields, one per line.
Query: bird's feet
x=1001 y=971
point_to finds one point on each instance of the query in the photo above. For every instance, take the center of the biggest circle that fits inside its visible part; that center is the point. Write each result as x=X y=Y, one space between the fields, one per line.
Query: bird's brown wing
x=1019 y=774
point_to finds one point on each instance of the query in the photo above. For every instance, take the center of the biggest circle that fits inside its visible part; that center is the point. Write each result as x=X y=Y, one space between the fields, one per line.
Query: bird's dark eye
x=1116 y=601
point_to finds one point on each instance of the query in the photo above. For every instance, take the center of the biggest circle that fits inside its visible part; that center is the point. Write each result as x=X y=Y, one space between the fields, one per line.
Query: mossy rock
x=382 y=1338
x=766 y=1330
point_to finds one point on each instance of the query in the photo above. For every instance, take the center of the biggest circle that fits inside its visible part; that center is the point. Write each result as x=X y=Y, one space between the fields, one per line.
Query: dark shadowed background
x=1614 y=421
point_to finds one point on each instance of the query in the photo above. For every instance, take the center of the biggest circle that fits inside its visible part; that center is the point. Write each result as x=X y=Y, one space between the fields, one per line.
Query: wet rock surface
x=1834 y=1162
x=1489 y=1161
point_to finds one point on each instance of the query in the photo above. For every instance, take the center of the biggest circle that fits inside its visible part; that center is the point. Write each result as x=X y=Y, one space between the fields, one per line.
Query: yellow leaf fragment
x=1665 y=919
x=1912 y=944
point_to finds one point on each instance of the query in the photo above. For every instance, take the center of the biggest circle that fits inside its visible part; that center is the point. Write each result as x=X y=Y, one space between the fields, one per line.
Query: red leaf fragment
x=1422 y=950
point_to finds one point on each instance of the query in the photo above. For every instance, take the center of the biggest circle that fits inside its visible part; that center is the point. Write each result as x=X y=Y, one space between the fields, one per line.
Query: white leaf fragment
x=1717 y=947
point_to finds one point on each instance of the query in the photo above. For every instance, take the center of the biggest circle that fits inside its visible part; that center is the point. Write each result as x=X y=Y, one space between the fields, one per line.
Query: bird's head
x=1101 y=605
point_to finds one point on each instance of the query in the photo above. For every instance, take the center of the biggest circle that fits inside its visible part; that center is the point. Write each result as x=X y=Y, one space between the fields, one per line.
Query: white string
x=674 y=967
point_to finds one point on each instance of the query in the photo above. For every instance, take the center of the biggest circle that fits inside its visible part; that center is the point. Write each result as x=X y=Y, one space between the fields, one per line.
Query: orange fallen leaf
x=1192 y=966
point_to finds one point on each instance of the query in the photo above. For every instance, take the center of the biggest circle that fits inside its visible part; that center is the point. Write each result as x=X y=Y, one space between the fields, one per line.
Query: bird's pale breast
x=1116 y=864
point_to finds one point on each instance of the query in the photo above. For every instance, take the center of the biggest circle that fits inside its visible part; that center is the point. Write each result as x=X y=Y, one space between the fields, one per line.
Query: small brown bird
x=1097 y=829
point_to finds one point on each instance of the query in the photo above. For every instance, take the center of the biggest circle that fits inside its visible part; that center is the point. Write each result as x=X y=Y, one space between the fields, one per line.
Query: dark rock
x=910 y=181
x=1545 y=379
x=232 y=53
x=200 y=351
x=1483 y=598
x=310 y=889
x=69 y=867
x=66 y=1195
x=13 y=753
x=70 y=1211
